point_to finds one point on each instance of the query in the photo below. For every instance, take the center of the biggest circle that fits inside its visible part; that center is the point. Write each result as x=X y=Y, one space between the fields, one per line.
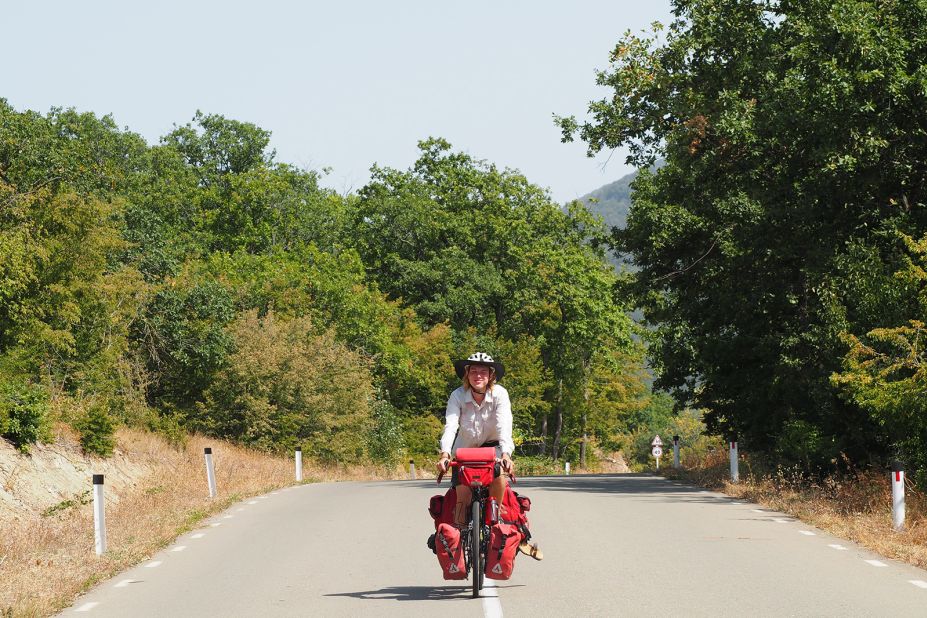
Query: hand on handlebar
x=507 y=464
x=443 y=464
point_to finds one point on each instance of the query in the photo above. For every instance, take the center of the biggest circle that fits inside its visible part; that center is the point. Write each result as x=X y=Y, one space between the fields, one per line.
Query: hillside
x=612 y=201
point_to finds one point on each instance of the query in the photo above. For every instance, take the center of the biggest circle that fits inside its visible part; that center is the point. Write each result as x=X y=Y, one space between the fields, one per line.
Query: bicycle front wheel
x=476 y=560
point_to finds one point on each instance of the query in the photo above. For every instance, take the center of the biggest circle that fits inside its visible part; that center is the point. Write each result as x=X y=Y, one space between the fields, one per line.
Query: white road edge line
x=876 y=563
x=86 y=607
x=918 y=582
x=492 y=606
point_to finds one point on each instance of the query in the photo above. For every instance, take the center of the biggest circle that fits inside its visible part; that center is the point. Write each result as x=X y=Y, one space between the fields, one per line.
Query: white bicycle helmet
x=478 y=358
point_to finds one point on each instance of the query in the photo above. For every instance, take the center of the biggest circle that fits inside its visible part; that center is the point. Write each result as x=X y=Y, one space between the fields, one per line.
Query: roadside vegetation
x=854 y=504
x=47 y=556
x=779 y=250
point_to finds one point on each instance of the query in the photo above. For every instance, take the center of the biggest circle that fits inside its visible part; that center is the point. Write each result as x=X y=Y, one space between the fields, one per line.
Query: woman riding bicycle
x=479 y=413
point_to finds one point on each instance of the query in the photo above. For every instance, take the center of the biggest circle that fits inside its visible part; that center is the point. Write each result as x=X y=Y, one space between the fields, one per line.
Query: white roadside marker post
x=676 y=451
x=299 y=464
x=99 y=515
x=412 y=469
x=897 y=496
x=566 y=468
x=735 y=464
x=210 y=472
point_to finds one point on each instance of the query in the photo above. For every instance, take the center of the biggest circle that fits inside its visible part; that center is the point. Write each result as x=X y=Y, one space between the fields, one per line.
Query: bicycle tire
x=476 y=559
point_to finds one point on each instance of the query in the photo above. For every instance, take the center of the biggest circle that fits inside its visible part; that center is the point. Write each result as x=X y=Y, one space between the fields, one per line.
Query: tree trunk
x=544 y=435
x=582 y=445
x=559 y=409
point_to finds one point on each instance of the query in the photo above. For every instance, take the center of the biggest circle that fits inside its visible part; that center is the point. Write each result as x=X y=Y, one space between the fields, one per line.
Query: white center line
x=492 y=606
x=838 y=547
x=807 y=532
x=876 y=563
x=179 y=548
x=86 y=607
x=153 y=564
x=918 y=582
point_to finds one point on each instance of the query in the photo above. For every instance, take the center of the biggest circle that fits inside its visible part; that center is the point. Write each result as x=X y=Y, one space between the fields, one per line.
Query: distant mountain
x=612 y=201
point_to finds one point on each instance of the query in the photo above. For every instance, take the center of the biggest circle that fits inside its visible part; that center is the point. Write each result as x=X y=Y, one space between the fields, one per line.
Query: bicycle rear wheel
x=476 y=560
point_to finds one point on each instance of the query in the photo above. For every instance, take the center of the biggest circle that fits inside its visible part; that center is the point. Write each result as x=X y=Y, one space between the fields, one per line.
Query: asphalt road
x=614 y=545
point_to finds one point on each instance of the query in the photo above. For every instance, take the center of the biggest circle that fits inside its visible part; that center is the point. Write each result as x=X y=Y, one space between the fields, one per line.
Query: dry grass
x=857 y=507
x=46 y=561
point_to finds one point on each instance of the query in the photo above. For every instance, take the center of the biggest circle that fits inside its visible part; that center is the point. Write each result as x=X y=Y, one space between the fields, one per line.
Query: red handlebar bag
x=482 y=454
x=476 y=465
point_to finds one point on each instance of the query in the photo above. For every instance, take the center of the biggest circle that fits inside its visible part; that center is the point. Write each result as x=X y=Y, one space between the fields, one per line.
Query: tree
x=794 y=146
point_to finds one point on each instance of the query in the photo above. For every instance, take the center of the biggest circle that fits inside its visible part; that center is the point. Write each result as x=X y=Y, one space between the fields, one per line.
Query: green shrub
x=23 y=412
x=385 y=443
x=421 y=435
x=96 y=431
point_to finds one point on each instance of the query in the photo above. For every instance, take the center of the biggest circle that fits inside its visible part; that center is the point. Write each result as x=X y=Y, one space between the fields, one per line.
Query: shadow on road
x=411 y=593
x=642 y=486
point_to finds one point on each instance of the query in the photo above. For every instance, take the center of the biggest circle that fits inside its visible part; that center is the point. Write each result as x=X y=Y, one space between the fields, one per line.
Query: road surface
x=614 y=545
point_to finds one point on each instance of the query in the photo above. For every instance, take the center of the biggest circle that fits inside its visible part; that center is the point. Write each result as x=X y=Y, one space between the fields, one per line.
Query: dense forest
x=201 y=285
x=781 y=249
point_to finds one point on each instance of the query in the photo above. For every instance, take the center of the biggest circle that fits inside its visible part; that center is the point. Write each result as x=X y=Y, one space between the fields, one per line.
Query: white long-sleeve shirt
x=478 y=423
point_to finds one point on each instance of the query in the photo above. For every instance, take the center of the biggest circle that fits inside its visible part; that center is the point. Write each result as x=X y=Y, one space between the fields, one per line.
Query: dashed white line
x=918 y=582
x=876 y=563
x=492 y=606
x=153 y=564
x=198 y=535
x=262 y=497
x=124 y=583
x=779 y=520
x=216 y=524
x=231 y=516
x=252 y=502
x=239 y=510
x=758 y=510
x=86 y=607
x=807 y=532
x=838 y=547
x=179 y=548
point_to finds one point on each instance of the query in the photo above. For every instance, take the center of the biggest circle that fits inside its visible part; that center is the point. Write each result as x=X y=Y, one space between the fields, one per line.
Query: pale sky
x=340 y=84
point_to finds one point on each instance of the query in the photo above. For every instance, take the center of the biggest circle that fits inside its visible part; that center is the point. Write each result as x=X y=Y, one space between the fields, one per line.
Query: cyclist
x=479 y=413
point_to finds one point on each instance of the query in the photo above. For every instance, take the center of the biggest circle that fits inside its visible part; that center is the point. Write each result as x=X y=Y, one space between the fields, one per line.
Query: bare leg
x=464 y=495
x=497 y=489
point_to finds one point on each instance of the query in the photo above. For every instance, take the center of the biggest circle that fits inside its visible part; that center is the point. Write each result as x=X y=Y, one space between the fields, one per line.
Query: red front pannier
x=504 y=539
x=450 y=552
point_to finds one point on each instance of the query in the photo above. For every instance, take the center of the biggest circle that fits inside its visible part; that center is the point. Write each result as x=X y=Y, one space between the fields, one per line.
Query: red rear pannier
x=441 y=508
x=450 y=552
